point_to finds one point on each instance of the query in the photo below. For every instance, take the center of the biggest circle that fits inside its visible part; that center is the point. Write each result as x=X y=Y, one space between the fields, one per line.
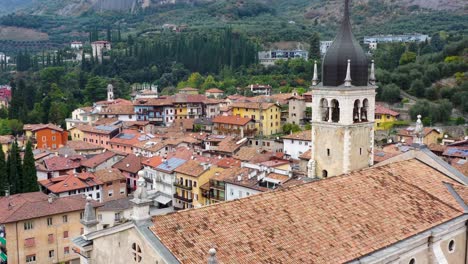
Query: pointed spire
x=348 y=75
x=372 y=79
x=315 y=77
x=346 y=16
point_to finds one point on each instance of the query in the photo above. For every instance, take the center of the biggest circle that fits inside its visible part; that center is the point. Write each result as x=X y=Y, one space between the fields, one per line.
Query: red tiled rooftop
x=382 y=110
x=152 y=162
x=98 y=159
x=70 y=182
x=232 y=120
x=59 y=163
x=130 y=163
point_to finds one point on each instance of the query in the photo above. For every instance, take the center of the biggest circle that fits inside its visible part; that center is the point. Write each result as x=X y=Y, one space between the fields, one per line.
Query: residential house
x=430 y=135
x=83 y=183
x=102 y=161
x=81 y=116
x=220 y=145
x=188 y=90
x=384 y=117
x=268 y=58
x=56 y=166
x=150 y=148
x=39 y=228
x=100 y=49
x=46 y=136
x=213 y=108
x=114 y=212
x=84 y=148
x=166 y=175
x=234 y=126
x=214 y=92
x=119 y=111
x=298 y=114
x=130 y=166
x=259 y=89
x=6 y=142
x=76 y=134
x=295 y=144
x=99 y=135
x=125 y=140
x=149 y=166
x=189 y=106
x=114 y=184
x=214 y=191
x=267 y=116
x=189 y=177
x=158 y=111
x=204 y=124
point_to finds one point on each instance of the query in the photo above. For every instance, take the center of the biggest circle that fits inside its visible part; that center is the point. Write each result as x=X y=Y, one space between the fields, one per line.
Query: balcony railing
x=187 y=200
x=181 y=186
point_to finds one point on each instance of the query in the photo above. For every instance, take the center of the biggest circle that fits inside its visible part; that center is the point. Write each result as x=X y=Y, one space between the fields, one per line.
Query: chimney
x=7 y=193
x=50 y=198
x=212 y=259
x=206 y=166
x=239 y=177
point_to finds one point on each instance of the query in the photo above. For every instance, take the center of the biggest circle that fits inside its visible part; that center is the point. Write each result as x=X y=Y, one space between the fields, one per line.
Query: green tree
x=3 y=174
x=195 y=80
x=407 y=57
x=390 y=93
x=209 y=82
x=288 y=128
x=14 y=170
x=417 y=88
x=95 y=89
x=29 y=170
x=314 y=49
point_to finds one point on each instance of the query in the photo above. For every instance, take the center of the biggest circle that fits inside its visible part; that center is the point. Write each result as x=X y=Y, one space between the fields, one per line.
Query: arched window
x=335 y=115
x=356 y=114
x=364 y=110
x=324 y=109
x=136 y=251
x=324 y=174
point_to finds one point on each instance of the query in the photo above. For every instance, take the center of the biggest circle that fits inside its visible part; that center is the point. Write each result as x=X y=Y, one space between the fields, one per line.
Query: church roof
x=345 y=47
x=355 y=215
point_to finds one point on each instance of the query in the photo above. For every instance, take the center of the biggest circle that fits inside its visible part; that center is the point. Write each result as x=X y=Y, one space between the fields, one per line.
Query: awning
x=163 y=199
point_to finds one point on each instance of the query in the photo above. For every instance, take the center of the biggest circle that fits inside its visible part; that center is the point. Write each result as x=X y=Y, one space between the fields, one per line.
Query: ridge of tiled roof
x=109 y=175
x=232 y=120
x=380 y=109
x=131 y=163
x=98 y=159
x=365 y=210
x=305 y=135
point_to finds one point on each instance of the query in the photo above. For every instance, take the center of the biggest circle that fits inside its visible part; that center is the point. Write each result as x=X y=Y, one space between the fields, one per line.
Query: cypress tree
x=29 y=170
x=314 y=50
x=3 y=174
x=12 y=171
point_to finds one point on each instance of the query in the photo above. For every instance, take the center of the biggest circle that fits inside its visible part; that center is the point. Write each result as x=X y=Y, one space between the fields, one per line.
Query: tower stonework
x=343 y=109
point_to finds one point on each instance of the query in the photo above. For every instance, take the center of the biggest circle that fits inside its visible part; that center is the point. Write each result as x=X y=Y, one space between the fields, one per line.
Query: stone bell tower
x=343 y=108
x=110 y=92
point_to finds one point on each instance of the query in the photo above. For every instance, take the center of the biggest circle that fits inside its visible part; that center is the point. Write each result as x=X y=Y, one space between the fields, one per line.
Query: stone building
x=343 y=122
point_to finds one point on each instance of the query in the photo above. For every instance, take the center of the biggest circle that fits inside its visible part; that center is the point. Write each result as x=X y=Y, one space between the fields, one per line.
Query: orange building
x=46 y=136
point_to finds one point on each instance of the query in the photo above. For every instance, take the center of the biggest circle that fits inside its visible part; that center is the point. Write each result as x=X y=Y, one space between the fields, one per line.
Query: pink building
x=99 y=135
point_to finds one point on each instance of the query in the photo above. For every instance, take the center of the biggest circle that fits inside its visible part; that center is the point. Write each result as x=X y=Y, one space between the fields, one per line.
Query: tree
x=29 y=170
x=390 y=93
x=407 y=57
x=314 y=50
x=95 y=89
x=3 y=174
x=14 y=170
x=195 y=80
x=288 y=128
x=417 y=88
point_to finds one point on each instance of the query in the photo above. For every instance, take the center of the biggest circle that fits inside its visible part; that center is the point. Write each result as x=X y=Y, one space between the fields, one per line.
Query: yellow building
x=39 y=228
x=189 y=178
x=384 y=117
x=6 y=142
x=75 y=133
x=267 y=116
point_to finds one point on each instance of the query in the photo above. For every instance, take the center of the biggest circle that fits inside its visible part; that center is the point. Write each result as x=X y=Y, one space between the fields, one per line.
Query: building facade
x=267 y=116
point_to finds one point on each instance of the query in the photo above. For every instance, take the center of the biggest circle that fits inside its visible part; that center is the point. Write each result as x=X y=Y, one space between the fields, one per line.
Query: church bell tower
x=343 y=108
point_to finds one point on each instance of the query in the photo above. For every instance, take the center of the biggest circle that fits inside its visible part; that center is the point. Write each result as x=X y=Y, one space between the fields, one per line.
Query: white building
x=296 y=144
x=268 y=58
x=100 y=48
x=114 y=212
x=260 y=89
x=4 y=57
x=324 y=45
x=163 y=177
x=76 y=45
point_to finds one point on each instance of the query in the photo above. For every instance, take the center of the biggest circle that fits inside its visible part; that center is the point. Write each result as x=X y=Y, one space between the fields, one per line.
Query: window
x=81 y=215
x=31 y=259
x=136 y=250
x=51 y=254
x=451 y=246
x=122 y=191
x=360 y=151
x=28 y=225
x=232 y=192
x=194 y=184
x=110 y=193
x=65 y=218
x=65 y=234
x=50 y=238
x=54 y=146
x=117 y=217
x=81 y=231
x=43 y=138
x=66 y=250
x=328 y=152
x=324 y=174
x=53 y=138
x=49 y=221
x=99 y=217
x=412 y=261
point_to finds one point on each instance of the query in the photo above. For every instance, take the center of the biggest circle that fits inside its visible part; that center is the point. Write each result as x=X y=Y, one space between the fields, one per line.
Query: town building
x=38 y=228
x=189 y=177
x=267 y=116
x=100 y=49
x=6 y=142
x=204 y=124
x=259 y=89
x=324 y=45
x=269 y=57
x=296 y=144
x=299 y=113
x=102 y=161
x=113 y=213
x=215 y=93
x=234 y=126
x=124 y=141
x=188 y=90
x=384 y=117
x=76 y=45
x=82 y=184
x=99 y=135
x=83 y=148
x=396 y=38
x=55 y=166
x=158 y=111
x=114 y=184
x=429 y=135
x=130 y=166
x=343 y=108
x=165 y=173
x=212 y=108
x=46 y=136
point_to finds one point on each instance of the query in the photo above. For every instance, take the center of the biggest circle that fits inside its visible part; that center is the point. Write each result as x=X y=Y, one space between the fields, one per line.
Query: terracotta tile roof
x=461 y=165
x=358 y=213
x=232 y=120
x=280 y=177
x=181 y=153
x=152 y=162
x=214 y=90
x=251 y=105
x=118 y=110
x=70 y=182
x=78 y=145
x=227 y=163
x=98 y=159
x=230 y=174
x=410 y=130
x=118 y=101
x=161 y=101
x=119 y=204
x=109 y=175
x=8 y=139
x=189 y=98
x=127 y=137
x=246 y=153
x=380 y=155
x=106 y=121
x=34 y=205
x=302 y=135
x=36 y=127
x=460 y=152
x=437 y=147
x=59 y=163
x=188 y=89
x=306 y=155
x=382 y=110
x=191 y=168
x=131 y=164
x=274 y=163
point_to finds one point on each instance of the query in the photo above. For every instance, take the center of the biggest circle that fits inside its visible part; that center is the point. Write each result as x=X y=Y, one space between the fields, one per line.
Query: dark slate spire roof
x=345 y=47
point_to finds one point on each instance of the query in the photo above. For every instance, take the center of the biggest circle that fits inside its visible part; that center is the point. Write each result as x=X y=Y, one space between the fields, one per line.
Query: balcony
x=181 y=186
x=187 y=200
